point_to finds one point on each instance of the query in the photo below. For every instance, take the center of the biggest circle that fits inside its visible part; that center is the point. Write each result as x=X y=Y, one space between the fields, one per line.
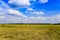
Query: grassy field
x=29 y=32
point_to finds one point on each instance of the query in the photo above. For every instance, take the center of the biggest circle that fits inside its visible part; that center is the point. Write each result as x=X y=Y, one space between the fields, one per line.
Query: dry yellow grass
x=29 y=32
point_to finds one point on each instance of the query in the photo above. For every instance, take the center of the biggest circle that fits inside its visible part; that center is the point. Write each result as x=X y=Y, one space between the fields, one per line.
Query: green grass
x=29 y=32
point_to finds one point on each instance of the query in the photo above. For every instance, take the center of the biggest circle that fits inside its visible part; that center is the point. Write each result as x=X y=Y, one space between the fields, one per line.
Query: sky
x=29 y=11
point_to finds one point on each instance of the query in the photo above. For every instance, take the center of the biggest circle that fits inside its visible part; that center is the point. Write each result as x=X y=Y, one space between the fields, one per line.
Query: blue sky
x=29 y=11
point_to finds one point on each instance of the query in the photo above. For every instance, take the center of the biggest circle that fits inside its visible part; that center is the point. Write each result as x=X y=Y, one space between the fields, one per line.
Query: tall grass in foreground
x=29 y=32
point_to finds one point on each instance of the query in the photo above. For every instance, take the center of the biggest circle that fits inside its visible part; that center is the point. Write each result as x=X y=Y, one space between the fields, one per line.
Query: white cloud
x=20 y=2
x=32 y=0
x=40 y=18
x=2 y=17
x=38 y=13
x=4 y=5
x=43 y=1
x=29 y=9
x=16 y=12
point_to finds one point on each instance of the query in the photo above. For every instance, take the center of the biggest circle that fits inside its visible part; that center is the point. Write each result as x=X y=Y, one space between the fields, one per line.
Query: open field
x=29 y=32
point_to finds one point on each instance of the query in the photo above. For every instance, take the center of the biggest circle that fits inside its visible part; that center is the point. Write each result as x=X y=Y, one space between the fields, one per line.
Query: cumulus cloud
x=41 y=13
x=20 y=2
x=1 y=17
x=4 y=5
x=35 y=12
x=30 y=9
x=55 y=18
x=16 y=12
x=43 y=1
x=32 y=0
